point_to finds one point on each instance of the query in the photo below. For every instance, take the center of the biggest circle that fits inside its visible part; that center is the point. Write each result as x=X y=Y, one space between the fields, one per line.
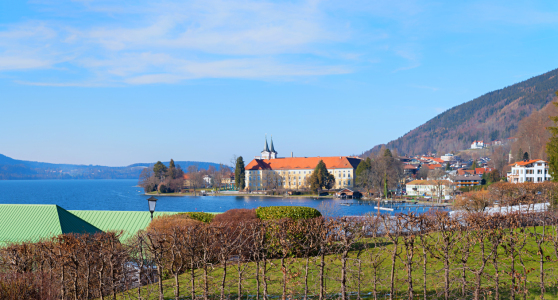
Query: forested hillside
x=21 y=169
x=489 y=117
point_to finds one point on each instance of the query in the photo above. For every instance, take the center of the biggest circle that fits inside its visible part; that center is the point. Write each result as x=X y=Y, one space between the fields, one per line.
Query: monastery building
x=268 y=171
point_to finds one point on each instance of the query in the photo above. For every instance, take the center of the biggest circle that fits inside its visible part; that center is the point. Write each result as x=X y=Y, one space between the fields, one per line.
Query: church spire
x=272 y=148
x=266 y=147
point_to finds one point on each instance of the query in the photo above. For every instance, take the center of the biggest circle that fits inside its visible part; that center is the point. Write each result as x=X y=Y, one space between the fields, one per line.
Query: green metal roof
x=128 y=221
x=24 y=222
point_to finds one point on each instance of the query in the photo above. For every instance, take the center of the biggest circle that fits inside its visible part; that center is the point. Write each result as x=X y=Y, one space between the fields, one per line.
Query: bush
x=163 y=188
x=292 y=212
x=200 y=216
x=236 y=216
x=167 y=222
x=28 y=285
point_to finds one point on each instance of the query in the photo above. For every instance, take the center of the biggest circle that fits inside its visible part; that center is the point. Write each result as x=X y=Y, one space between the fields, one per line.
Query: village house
x=269 y=171
x=477 y=145
x=535 y=170
x=432 y=188
x=466 y=180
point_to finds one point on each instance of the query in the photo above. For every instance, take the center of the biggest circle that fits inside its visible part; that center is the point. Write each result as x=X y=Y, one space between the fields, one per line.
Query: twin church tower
x=268 y=153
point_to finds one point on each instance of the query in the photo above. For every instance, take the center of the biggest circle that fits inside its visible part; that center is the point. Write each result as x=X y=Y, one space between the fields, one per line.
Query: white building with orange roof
x=535 y=170
x=269 y=171
x=477 y=145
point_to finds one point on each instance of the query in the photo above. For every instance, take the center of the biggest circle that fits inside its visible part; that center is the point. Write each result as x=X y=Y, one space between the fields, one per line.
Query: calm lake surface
x=125 y=195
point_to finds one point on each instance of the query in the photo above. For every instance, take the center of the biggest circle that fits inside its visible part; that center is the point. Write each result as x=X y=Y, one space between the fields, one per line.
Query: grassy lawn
x=381 y=253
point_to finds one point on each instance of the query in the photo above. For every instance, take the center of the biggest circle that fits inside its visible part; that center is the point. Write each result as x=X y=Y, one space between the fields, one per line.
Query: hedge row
x=201 y=216
x=280 y=212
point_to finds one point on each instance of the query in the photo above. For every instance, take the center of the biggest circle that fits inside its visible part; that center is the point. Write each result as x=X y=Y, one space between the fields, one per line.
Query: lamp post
x=152 y=202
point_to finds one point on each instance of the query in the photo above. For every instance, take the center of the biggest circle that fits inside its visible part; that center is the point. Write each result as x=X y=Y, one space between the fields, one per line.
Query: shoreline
x=294 y=197
x=239 y=195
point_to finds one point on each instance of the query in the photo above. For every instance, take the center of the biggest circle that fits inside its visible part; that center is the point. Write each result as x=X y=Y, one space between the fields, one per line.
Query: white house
x=535 y=170
x=433 y=188
x=448 y=157
x=477 y=145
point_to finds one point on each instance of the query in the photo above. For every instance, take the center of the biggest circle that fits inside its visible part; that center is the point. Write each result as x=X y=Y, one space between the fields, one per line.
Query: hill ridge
x=492 y=116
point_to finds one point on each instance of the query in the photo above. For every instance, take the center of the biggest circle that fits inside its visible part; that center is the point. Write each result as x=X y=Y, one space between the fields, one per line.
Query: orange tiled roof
x=483 y=170
x=464 y=171
x=438 y=160
x=186 y=176
x=432 y=167
x=308 y=163
x=523 y=163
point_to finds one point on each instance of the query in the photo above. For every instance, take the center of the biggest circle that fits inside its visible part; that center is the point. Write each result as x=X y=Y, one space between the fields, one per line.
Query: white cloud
x=22 y=63
x=170 y=42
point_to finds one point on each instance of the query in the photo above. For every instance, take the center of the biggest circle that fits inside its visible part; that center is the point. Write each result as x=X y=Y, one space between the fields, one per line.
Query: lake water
x=125 y=195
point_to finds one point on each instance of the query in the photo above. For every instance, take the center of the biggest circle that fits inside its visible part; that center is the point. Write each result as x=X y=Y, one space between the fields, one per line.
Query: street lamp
x=152 y=201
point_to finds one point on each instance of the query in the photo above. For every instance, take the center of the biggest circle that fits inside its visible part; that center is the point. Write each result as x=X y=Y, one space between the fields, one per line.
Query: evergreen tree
x=526 y=156
x=387 y=153
x=448 y=167
x=519 y=155
x=239 y=174
x=474 y=165
x=159 y=170
x=171 y=171
x=321 y=178
x=552 y=148
x=364 y=165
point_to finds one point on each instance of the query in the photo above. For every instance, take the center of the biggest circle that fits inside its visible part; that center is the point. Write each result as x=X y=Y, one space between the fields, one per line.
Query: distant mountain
x=21 y=169
x=493 y=116
x=183 y=164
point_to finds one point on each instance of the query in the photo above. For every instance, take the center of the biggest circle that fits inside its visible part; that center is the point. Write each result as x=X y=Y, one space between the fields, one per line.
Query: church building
x=269 y=171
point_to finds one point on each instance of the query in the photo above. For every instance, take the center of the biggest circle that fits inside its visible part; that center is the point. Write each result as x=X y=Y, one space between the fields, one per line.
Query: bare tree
x=195 y=178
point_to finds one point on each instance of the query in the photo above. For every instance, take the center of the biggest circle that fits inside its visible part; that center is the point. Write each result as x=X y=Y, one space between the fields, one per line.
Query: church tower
x=273 y=153
x=269 y=153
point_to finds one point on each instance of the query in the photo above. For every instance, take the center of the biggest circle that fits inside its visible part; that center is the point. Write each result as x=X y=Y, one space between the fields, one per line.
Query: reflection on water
x=125 y=195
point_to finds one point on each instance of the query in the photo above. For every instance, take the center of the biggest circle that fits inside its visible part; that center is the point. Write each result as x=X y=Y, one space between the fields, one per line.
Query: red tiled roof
x=463 y=171
x=293 y=163
x=186 y=176
x=410 y=167
x=481 y=171
x=432 y=167
x=438 y=160
x=523 y=163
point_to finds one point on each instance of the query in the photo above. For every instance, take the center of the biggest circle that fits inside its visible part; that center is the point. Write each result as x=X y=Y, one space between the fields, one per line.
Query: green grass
x=435 y=279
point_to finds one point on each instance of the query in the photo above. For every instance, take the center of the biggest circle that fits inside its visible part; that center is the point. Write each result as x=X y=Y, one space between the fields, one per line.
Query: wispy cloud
x=174 y=41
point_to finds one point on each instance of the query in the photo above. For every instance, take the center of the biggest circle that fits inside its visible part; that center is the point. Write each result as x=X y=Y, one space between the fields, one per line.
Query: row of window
x=528 y=171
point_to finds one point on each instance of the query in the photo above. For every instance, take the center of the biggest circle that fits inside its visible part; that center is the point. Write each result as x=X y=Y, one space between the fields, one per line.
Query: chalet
x=466 y=181
x=481 y=171
x=535 y=170
x=463 y=172
x=477 y=145
x=410 y=169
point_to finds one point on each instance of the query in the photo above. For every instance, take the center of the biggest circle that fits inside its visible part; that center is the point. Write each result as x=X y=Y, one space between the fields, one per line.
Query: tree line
x=434 y=255
x=173 y=179
x=161 y=178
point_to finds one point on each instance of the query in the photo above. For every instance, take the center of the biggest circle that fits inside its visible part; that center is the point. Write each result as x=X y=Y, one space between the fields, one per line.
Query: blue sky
x=120 y=82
